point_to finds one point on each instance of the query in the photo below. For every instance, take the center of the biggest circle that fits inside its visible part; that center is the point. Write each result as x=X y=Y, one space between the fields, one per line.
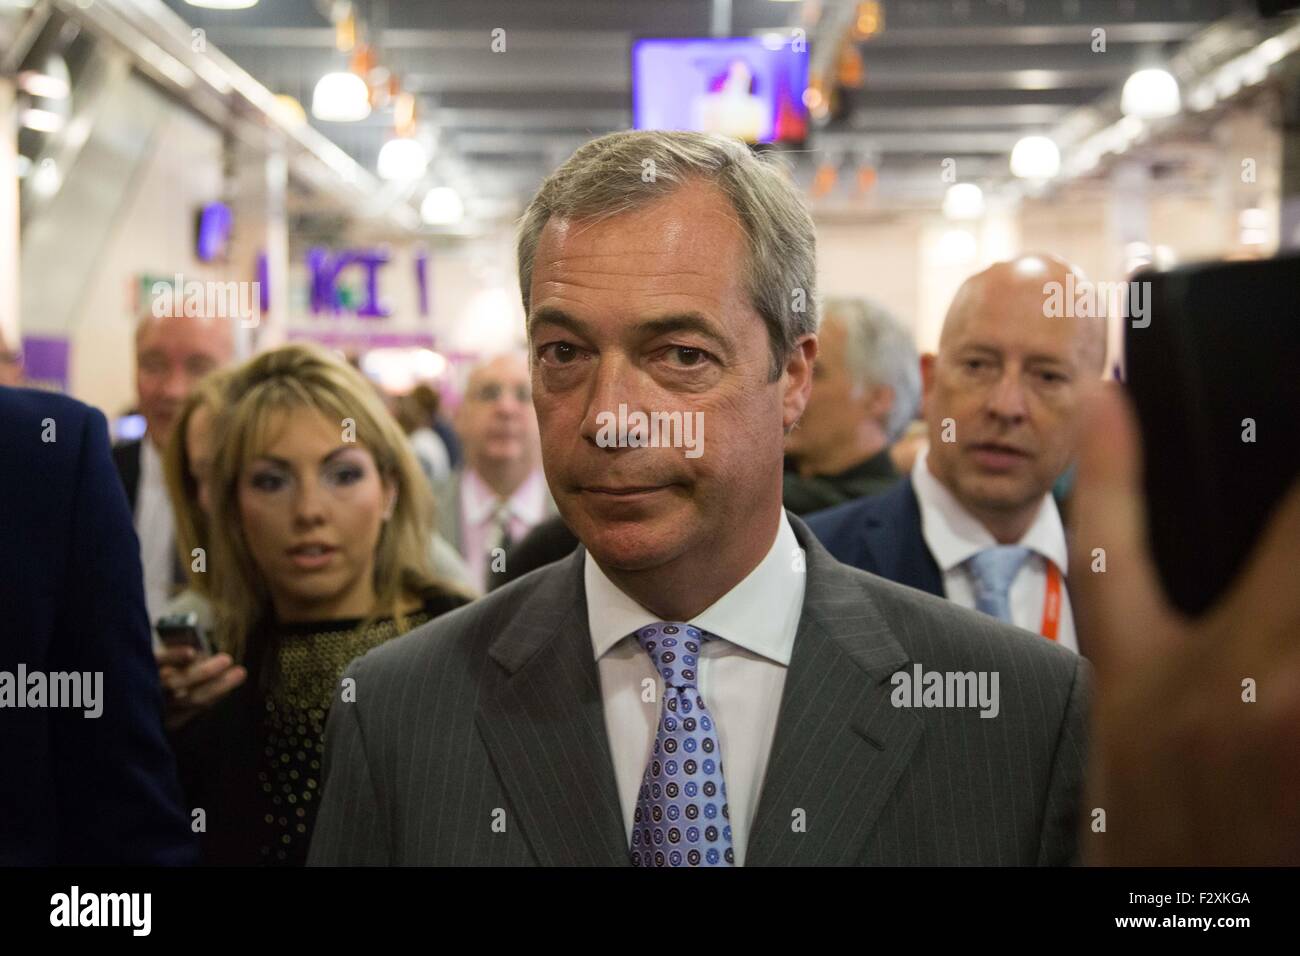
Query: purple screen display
x=738 y=87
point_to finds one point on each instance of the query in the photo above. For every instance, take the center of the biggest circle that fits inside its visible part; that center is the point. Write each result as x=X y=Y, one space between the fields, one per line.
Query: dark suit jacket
x=881 y=534
x=75 y=789
x=126 y=459
x=493 y=714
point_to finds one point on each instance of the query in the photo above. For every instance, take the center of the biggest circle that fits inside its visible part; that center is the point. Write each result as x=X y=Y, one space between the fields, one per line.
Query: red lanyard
x=1051 y=603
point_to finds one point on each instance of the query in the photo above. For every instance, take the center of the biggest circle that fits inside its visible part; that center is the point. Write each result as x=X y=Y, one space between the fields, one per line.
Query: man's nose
x=1006 y=399
x=614 y=383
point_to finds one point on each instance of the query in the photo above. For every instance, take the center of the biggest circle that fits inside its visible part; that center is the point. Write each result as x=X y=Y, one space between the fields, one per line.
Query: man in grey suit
x=701 y=683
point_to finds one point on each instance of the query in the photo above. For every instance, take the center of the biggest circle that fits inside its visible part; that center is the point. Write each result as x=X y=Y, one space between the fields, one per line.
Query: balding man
x=500 y=493
x=1002 y=397
x=172 y=353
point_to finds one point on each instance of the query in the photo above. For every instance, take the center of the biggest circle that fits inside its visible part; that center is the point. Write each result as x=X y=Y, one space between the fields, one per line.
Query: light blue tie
x=681 y=816
x=993 y=570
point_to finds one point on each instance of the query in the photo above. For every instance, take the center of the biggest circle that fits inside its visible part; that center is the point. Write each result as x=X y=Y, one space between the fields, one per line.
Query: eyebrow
x=285 y=463
x=663 y=325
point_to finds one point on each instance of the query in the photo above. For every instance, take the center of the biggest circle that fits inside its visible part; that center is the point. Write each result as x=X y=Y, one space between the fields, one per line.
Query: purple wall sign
x=325 y=268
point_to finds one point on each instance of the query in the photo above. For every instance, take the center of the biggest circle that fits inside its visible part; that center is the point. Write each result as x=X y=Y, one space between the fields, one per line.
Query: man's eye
x=558 y=353
x=688 y=357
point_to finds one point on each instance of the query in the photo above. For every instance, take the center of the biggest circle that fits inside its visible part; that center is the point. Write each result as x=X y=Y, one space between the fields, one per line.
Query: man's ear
x=797 y=376
x=928 y=362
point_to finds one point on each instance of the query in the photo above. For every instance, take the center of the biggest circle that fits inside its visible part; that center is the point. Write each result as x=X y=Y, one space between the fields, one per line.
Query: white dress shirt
x=741 y=676
x=953 y=536
x=155 y=528
x=525 y=509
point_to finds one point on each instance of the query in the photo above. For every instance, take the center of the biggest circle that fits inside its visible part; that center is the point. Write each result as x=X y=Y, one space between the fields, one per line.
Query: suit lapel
x=545 y=729
x=840 y=745
x=896 y=544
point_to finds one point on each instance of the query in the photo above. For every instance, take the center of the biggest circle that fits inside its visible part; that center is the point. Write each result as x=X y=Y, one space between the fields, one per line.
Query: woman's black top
x=252 y=763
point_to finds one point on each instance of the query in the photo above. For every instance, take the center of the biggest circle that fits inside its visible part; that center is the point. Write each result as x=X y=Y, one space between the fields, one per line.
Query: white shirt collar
x=760 y=614
x=954 y=535
x=151 y=465
x=528 y=503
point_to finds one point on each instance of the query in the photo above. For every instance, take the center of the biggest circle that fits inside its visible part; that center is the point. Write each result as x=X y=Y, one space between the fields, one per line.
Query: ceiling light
x=42 y=121
x=341 y=98
x=1035 y=157
x=963 y=201
x=442 y=206
x=402 y=159
x=1150 y=94
x=51 y=82
x=223 y=4
x=47 y=179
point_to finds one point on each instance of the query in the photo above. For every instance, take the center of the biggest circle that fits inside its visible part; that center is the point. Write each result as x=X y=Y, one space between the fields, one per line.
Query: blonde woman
x=320 y=522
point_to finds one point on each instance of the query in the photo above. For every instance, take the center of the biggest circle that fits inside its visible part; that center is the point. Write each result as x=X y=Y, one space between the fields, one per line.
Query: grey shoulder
x=467 y=630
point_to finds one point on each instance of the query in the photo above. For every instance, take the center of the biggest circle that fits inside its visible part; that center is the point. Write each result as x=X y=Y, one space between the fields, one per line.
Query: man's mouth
x=997 y=456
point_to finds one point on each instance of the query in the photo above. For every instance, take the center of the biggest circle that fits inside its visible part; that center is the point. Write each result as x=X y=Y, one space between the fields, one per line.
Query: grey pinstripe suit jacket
x=479 y=738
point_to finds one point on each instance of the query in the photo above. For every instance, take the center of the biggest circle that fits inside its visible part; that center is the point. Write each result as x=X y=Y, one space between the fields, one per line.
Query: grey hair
x=879 y=351
x=620 y=172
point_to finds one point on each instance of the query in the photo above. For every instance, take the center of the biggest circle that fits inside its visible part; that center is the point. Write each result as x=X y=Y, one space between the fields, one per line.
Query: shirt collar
x=954 y=535
x=760 y=614
x=528 y=503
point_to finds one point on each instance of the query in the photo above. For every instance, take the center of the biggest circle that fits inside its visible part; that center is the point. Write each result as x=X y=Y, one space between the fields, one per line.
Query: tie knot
x=674 y=649
x=995 y=568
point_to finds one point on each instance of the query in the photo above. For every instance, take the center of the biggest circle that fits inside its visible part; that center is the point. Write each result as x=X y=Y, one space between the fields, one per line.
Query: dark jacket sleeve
x=115 y=779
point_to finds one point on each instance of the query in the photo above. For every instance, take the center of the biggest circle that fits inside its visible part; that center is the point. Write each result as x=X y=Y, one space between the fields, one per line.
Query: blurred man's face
x=171 y=355
x=496 y=421
x=649 y=309
x=837 y=404
x=1011 y=380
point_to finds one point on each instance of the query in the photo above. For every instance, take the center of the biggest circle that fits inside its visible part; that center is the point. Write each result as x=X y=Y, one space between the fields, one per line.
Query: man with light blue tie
x=701 y=683
x=977 y=522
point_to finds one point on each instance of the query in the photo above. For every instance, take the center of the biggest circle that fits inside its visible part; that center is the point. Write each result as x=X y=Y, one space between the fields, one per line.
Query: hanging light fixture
x=1035 y=157
x=442 y=206
x=402 y=159
x=222 y=4
x=340 y=98
x=1150 y=94
x=963 y=201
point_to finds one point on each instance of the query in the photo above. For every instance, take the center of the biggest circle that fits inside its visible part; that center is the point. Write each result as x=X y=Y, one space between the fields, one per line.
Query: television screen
x=212 y=232
x=748 y=87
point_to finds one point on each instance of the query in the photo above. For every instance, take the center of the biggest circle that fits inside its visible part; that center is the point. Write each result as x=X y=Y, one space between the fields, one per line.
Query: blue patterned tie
x=993 y=570
x=681 y=814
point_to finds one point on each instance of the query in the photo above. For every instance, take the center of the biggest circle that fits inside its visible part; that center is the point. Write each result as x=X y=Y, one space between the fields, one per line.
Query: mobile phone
x=182 y=630
x=1211 y=367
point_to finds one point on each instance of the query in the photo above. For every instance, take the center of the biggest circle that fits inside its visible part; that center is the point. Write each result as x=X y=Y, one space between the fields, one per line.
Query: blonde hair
x=191 y=520
x=306 y=376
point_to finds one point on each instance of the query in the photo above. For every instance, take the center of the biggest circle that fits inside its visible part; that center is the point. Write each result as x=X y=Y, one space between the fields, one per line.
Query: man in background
x=976 y=520
x=172 y=354
x=866 y=387
x=500 y=493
